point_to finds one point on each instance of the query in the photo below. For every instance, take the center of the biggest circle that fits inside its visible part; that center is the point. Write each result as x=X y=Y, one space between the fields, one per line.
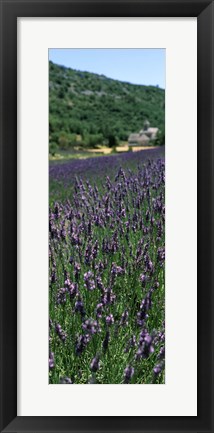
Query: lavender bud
x=157 y=369
x=99 y=310
x=61 y=334
x=79 y=307
x=95 y=364
x=65 y=380
x=90 y=326
x=89 y=281
x=51 y=360
x=109 y=320
x=124 y=318
x=128 y=373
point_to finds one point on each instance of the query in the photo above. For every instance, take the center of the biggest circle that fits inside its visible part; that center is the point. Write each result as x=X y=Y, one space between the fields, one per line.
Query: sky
x=137 y=66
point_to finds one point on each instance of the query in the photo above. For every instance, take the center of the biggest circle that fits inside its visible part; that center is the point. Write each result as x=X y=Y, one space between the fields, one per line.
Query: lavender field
x=107 y=270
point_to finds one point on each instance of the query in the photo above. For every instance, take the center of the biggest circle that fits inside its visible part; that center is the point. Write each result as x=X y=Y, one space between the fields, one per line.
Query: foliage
x=53 y=148
x=112 y=140
x=160 y=139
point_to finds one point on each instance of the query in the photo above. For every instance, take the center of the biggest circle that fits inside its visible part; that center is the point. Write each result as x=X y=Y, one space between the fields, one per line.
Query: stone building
x=145 y=137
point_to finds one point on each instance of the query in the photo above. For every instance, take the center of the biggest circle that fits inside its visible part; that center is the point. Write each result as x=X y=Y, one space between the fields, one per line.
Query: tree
x=53 y=148
x=112 y=140
x=63 y=141
x=160 y=139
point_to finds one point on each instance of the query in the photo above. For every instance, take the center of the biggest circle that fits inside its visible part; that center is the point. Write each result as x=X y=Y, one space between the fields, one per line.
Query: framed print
x=97 y=99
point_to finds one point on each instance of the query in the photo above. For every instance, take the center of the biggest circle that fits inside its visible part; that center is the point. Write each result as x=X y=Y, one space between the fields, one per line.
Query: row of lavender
x=107 y=261
x=62 y=174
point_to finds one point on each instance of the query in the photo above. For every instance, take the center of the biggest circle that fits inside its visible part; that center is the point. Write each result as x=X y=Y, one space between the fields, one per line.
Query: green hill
x=88 y=109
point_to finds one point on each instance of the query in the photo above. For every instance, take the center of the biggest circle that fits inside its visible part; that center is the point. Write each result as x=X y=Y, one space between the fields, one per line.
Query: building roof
x=152 y=130
x=137 y=138
x=133 y=137
x=143 y=137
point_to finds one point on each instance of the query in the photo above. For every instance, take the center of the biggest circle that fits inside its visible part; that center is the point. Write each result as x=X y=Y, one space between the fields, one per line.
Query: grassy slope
x=95 y=106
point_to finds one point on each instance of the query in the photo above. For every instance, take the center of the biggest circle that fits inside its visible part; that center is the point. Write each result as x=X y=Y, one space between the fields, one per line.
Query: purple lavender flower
x=128 y=373
x=142 y=316
x=67 y=283
x=63 y=232
x=75 y=239
x=61 y=334
x=99 y=310
x=81 y=343
x=79 y=307
x=109 y=320
x=51 y=360
x=161 y=354
x=77 y=268
x=65 y=380
x=157 y=369
x=56 y=211
x=124 y=318
x=61 y=296
x=108 y=297
x=143 y=279
x=92 y=380
x=150 y=267
x=99 y=283
x=100 y=266
x=145 y=346
x=116 y=270
x=73 y=290
x=131 y=343
x=95 y=250
x=89 y=281
x=161 y=255
x=90 y=326
x=95 y=364
x=53 y=276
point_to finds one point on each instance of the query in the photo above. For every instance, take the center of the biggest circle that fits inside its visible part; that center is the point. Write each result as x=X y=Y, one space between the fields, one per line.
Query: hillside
x=87 y=109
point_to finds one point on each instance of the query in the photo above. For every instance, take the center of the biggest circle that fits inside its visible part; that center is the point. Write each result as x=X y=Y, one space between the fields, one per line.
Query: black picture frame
x=9 y=12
